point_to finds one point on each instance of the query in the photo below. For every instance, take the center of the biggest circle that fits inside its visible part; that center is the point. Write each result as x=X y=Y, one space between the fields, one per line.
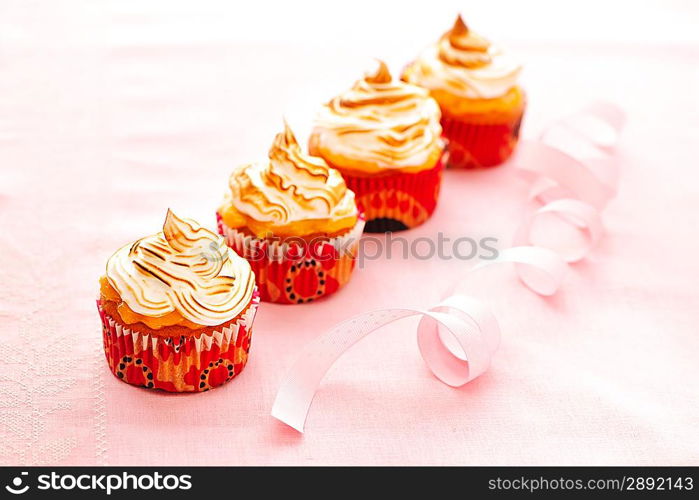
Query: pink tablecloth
x=103 y=125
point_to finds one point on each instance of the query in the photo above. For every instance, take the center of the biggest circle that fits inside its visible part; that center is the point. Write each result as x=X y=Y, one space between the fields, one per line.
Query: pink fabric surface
x=104 y=125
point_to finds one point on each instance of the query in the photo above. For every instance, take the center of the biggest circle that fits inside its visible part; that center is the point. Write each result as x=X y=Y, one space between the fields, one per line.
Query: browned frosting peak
x=462 y=47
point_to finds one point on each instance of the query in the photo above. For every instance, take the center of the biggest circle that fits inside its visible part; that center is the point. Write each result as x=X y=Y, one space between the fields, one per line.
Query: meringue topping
x=379 y=124
x=461 y=47
x=185 y=269
x=291 y=194
x=466 y=64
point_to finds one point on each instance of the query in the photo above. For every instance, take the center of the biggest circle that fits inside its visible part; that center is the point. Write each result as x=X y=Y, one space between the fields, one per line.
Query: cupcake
x=475 y=84
x=177 y=309
x=293 y=218
x=384 y=136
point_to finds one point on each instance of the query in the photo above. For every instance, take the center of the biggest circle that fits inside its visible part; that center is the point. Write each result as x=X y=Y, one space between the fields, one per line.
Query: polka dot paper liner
x=297 y=272
x=397 y=201
x=178 y=364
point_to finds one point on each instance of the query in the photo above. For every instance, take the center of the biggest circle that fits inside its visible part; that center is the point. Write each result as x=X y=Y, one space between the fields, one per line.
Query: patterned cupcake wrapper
x=479 y=141
x=178 y=364
x=295 y=273
x=399 y=201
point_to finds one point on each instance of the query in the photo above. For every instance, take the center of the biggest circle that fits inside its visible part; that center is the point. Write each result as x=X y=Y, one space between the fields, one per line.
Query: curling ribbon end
x=457 y=339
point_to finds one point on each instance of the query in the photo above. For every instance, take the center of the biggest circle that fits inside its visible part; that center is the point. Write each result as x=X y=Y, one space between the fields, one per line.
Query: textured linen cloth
x=112 y=112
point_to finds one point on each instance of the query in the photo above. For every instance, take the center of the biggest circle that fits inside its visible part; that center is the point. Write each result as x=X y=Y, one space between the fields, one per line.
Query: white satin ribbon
x=458 y=337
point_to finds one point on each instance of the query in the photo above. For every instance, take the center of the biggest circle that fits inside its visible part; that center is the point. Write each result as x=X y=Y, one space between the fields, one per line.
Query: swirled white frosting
x=185 y=268
x=465 y=64
x=379 y=124
x=291 y=193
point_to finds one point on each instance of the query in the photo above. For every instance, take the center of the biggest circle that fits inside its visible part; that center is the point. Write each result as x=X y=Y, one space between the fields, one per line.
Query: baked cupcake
x=295 y=221
x=384 y=136
x=177 y=309
x=475 y=84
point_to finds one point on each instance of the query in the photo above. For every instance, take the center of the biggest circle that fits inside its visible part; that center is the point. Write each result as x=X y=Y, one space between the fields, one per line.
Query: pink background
x=111 y=112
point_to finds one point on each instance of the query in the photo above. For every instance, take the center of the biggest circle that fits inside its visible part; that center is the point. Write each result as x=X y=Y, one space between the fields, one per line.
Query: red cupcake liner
x=300 y=271
x=476 y=142
x=397 y=201
x=178 y=364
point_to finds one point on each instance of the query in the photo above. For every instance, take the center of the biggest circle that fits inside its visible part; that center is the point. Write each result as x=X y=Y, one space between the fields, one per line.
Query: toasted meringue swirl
x=292 y=194
x=466 y=65
x=185 y=269
x=379 y=124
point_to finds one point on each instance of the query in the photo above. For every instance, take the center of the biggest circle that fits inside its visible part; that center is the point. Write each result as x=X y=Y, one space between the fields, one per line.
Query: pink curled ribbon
x=573 y=177
x=457 y=339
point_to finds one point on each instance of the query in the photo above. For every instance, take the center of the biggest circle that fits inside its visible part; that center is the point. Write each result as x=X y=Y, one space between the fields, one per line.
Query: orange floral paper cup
x=481 y=140
x=397 y=201
x=297 y=270
x=194 y=363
